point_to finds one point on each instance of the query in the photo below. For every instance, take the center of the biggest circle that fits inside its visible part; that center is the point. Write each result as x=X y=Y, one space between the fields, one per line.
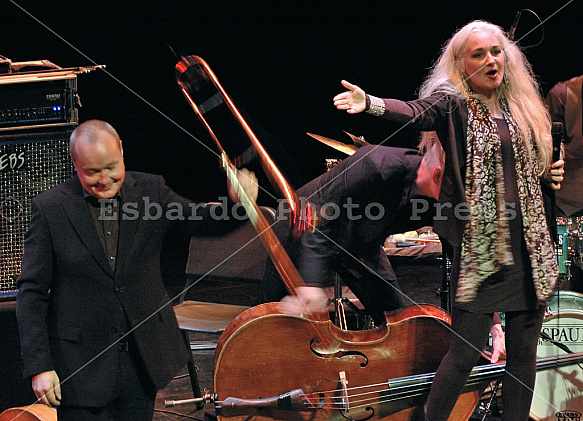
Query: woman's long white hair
x=519 y=85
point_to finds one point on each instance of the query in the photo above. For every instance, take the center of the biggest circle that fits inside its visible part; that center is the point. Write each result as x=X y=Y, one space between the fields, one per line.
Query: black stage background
x=282 y=62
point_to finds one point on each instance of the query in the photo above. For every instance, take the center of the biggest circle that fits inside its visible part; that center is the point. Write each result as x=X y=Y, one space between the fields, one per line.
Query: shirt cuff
x=374 y=105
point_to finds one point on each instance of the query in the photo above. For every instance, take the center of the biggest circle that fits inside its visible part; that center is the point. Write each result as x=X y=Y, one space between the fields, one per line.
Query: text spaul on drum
x=567 y=334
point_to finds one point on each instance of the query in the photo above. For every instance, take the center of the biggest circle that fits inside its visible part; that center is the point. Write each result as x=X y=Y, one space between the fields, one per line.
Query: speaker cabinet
x=30 y=163
x=14 y=390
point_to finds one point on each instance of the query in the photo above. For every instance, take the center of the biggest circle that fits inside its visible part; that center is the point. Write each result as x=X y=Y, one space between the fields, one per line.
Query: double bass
x=34 y=412
x=270 y=366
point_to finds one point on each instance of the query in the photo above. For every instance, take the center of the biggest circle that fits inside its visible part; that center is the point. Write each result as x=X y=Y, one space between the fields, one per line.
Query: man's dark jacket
x=70 y=303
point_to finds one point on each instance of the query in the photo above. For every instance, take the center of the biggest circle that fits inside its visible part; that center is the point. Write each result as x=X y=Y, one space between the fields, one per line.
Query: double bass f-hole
x=351 y=418
x=346 y=400
x=329 y=352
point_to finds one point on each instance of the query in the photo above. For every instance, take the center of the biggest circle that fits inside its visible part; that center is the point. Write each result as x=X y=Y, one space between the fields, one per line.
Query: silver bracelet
x=376 y=106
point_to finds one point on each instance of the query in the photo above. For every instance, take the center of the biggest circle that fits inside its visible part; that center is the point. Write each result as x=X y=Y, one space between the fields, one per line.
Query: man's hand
x=498 y=340
x=307 y=300
x=248 y=182
x=47 y=388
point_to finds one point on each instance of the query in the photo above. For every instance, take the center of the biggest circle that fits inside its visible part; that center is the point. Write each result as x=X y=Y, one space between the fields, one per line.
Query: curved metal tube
x=194 y=75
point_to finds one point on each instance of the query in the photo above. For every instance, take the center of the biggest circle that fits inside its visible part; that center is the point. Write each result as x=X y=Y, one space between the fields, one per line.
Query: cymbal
x=358 y=140
x=339 y=146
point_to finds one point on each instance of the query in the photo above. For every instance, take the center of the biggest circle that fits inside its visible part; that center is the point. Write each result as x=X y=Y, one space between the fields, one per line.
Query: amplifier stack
x=38 y=111
x=38 y=100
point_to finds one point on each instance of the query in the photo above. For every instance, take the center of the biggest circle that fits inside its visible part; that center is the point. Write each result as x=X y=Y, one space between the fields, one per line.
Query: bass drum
x=567 y=300
x=558 y=393
x=562 y=249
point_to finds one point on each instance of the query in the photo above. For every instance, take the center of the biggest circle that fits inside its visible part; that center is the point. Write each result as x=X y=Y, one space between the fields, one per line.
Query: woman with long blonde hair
x=483 y=101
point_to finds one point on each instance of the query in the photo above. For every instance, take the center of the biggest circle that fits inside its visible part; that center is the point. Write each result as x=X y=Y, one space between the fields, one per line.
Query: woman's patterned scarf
x=485 y=244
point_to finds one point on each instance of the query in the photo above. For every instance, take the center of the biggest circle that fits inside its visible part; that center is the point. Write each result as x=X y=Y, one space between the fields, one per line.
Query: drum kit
x=569 y=250
x=558 y=393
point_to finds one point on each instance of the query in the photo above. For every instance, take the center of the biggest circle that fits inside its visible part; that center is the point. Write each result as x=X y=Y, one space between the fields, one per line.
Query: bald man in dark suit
x=98 y=335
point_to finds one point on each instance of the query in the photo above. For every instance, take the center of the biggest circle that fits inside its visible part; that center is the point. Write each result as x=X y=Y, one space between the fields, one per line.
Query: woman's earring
x=467 y=86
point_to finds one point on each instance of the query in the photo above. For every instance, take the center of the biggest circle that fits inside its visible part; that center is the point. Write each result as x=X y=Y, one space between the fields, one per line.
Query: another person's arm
x=556 y=174
x=247 y=182
x=34 y=284
x=555 y=101
x=353 y=101
x=307 y=300
x=47 y=388
x=498 y=340
x=424 y=114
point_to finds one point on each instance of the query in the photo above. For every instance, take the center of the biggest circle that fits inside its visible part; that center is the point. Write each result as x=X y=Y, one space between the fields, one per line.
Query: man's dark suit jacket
x=69 y=299
x=361 y=201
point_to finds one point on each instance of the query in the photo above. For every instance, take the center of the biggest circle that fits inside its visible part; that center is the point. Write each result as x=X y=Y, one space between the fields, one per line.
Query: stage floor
x=420 y=282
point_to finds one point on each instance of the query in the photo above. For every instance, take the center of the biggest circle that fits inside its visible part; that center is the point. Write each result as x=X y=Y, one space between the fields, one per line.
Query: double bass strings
x=408 y=387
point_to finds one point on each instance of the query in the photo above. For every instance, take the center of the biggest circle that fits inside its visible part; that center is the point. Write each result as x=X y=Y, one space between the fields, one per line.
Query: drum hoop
x=563 y=311
x=564 y=292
